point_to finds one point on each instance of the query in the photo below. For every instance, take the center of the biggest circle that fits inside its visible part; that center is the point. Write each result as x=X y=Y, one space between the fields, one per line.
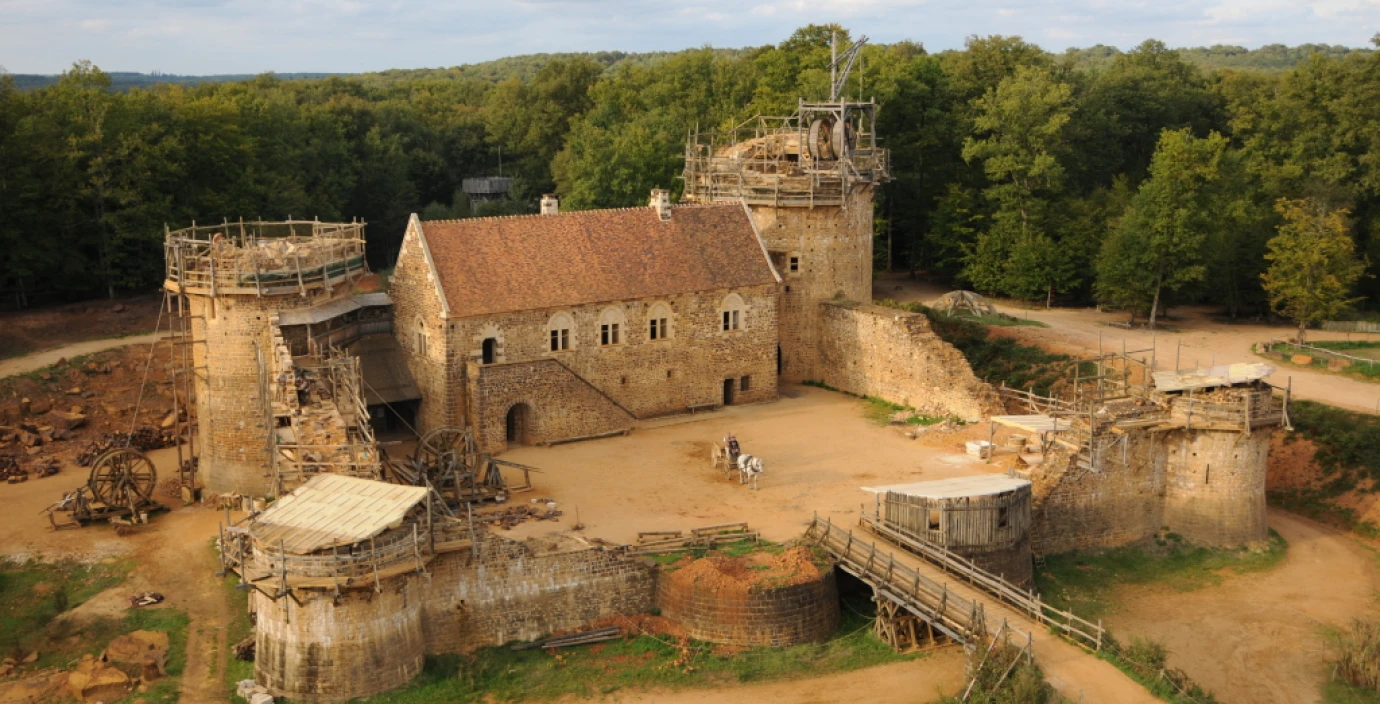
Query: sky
x=351 y=36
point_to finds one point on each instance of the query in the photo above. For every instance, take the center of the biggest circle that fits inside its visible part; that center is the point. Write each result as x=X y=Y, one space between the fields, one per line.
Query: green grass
x=880 y=410
x=33 y=594
x=1001 y=321
x=1145 y=661
x=1338 y=692
x=1084 y=583
x=638 y=663
x=237 y=630
x=1357 y=370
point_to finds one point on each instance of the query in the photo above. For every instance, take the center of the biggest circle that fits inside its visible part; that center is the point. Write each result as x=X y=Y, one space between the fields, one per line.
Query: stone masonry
x=892 y=354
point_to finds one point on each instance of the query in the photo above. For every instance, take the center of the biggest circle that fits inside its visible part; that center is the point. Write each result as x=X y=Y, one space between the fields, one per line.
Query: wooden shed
x=985 y=518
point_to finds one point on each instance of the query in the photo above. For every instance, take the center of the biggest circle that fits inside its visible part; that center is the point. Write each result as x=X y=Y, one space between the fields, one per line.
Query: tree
x=1021 y=125
x=1313 y=264
x=1159 y=244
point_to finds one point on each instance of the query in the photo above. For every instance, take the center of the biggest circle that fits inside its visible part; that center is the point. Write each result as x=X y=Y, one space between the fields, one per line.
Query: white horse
x=749 y=469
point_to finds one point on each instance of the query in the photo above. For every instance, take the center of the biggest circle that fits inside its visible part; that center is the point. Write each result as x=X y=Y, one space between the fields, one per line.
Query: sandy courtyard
x=818 y=449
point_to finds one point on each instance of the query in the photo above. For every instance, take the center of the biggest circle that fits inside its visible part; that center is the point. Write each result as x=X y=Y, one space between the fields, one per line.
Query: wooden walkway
x=925 y=590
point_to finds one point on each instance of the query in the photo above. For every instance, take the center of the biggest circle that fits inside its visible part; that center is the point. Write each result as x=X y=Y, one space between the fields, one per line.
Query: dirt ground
x=1193 y=334
x=29 y=331
x=1258 y=638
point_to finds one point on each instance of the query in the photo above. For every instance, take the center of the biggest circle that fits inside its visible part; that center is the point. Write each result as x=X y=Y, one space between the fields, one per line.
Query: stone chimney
x=550 y=205
x=661 y=201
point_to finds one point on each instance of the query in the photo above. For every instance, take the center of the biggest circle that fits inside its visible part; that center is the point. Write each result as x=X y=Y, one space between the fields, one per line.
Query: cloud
x=246 y=36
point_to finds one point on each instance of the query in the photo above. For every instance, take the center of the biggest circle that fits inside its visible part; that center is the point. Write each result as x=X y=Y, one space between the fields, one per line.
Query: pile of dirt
x=1291 y=464
x=741 y=575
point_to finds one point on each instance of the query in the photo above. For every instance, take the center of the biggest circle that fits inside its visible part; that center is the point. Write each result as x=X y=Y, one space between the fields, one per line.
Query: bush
x=1358 y=661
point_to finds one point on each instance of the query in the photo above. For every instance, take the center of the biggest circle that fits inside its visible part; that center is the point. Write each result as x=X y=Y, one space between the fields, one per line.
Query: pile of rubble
x=129 y=663
x=514 y=515
x=32 y=434
x=12 y=473
x=144 y=439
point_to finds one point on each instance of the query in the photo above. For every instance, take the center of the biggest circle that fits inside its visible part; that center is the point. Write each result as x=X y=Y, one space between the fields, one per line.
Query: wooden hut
x=984 y=518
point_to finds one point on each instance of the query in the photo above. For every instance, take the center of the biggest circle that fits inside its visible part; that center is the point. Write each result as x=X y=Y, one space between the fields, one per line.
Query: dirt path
x=1258 y=638
x=1196 y=339
x=39 y=360
x=937 y=675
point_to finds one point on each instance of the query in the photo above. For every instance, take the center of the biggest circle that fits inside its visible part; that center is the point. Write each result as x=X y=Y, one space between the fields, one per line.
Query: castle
x=562 y=326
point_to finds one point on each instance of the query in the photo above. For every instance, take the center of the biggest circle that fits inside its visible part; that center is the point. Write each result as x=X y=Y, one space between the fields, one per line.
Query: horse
x=749 y=468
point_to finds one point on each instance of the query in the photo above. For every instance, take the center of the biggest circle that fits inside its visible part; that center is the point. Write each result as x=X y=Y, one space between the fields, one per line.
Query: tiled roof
x=530 y=262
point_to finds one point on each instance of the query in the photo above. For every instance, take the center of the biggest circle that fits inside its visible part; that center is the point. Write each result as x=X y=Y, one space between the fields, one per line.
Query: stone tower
x=809 y=181
x=226 y=286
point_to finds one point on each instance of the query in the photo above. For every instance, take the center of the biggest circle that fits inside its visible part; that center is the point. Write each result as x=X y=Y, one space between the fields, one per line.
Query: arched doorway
x=518 y=425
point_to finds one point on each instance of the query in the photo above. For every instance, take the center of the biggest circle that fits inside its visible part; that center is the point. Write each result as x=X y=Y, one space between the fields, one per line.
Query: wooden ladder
x=1037 y=548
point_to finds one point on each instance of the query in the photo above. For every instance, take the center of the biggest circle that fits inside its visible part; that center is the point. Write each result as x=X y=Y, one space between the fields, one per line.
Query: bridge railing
x=960 y=618
x=1075 y=628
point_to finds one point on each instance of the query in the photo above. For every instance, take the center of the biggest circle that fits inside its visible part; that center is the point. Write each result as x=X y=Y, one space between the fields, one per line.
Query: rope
x=390 y=407
x=148 y=363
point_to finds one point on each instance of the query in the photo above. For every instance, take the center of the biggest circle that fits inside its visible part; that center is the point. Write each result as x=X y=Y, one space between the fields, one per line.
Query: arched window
x=732 y=313
x=659 y=322
x=560 y=328
x=421 y=338
x=611 y=324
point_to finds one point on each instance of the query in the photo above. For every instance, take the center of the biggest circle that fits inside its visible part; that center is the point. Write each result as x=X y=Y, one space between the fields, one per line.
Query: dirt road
x=1258 y=638
x=39 y=360
x=1196 y=338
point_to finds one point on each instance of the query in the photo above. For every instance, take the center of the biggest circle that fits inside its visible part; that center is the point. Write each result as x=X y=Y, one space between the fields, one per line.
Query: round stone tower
x=809 y=181
x=225 y=285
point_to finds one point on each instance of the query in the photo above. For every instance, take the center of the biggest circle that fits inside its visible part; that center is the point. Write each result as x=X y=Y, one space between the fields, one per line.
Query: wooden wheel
x=447 y=453
x=122 y=477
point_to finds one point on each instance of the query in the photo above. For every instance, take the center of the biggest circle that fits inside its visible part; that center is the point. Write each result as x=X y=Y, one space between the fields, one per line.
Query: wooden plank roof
x=1034 y=423
x=957 y=487
x=534 y=262
x=332 y=510
x=1220 y=375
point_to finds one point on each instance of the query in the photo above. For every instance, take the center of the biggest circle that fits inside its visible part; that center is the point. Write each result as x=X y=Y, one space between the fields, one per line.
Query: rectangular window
x=726 y=319
x=560 y=339
x=421 y=344
x=744 y=383
x=795 y=263
x=735 y=321
x=608 y=334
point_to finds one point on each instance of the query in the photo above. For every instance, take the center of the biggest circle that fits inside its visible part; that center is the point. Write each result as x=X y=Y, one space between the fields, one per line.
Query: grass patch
x=642 y=662
x=1362 y=371
x=1348 y=455
x=1339 y=692
x=1144 y=661
x=881 y=411
x=1084 y=582
x=33 y=594
x=999 y=320
x=237 y=630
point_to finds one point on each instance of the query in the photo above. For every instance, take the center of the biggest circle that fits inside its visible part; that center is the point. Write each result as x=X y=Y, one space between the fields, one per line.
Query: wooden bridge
x=914 y=592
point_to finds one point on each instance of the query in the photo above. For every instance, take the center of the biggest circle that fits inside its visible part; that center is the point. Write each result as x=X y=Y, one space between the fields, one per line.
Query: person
x=733 y=449
x=303 y=389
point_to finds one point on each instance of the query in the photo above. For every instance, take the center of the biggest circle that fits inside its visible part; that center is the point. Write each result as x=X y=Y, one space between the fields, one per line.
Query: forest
x=1139 y=179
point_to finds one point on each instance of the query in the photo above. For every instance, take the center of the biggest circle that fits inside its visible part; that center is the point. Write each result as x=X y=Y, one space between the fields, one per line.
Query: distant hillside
x=124 y=80
x=1272 y=58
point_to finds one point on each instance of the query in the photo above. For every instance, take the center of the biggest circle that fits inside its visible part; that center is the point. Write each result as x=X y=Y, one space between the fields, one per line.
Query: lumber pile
x=655 y=542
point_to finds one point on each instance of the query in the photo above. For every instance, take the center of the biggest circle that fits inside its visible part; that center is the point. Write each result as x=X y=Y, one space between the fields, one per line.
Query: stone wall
x=833 y=247
x=316 y=647
x=333 y=649
x=1215 y=485
x=894 y=355
x=1206 y=485
x=763 y=616
x=1118 y=504
x=1010 y=562
x=645 y=377
x=419 y=321
x=553 y=404
x=523 y=591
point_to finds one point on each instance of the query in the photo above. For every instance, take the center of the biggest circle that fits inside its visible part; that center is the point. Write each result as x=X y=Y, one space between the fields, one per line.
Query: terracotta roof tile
x=530 y=262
